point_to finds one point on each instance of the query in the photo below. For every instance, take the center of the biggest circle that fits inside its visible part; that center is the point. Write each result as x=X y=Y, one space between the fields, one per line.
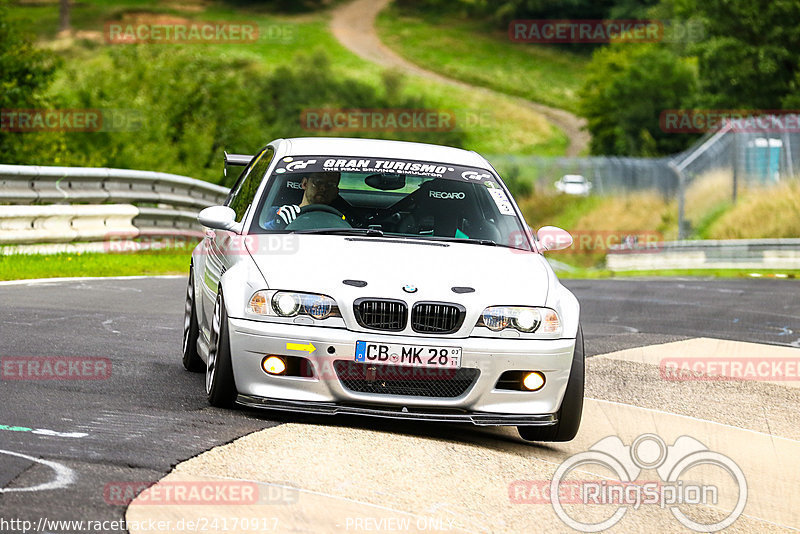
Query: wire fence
x=603 y=175
x=714 y=171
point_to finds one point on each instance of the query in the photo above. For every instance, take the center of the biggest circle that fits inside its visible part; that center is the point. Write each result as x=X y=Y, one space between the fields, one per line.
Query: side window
x=245 y=188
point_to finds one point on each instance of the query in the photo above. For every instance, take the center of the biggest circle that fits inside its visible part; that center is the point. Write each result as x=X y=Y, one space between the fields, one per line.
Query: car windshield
x=388 y=198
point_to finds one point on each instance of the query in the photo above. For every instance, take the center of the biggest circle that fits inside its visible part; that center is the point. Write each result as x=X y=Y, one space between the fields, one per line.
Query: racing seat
x=450 y=209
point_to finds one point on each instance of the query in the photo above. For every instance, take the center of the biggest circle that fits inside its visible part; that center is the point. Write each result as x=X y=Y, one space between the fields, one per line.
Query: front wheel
x=569 y=415
x=220 y=385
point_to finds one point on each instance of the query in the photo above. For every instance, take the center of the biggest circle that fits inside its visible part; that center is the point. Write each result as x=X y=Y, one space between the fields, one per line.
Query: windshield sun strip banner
x=385 y=165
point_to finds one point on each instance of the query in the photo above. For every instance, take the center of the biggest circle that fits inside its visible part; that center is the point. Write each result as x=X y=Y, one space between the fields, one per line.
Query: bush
x=187 y=107
x=626 y=89
x=25 y=73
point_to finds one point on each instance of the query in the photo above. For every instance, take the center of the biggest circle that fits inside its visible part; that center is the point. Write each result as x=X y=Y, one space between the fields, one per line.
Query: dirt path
x=353 y=24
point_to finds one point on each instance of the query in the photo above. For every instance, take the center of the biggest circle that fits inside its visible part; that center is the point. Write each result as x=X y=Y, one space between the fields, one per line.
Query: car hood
x=320 y=264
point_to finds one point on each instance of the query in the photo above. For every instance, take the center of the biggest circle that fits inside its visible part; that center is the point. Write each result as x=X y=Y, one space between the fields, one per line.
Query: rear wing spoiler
x=236 y=160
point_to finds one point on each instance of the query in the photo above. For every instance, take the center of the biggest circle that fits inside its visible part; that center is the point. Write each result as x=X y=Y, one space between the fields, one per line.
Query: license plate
x=409 y=355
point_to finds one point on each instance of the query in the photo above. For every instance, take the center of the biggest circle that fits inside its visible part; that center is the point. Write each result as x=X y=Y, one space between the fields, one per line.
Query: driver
x=319 y=188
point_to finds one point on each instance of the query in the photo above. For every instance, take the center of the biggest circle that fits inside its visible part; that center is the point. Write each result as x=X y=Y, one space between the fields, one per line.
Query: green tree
x=181 y=107
x=749 y=58
x=25 y=73
x=504 y=11
x=627 y=87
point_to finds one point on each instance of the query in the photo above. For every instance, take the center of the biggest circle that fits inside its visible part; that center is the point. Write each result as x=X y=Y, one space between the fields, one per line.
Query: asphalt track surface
x=150 y=414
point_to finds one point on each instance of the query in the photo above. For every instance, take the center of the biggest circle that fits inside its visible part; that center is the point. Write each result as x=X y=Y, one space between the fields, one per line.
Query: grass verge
x=23 y=267
x=26 y=266
x=590 y=273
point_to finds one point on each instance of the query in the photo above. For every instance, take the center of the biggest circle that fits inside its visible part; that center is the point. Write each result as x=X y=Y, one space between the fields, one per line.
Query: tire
x=569 y=414
x=191 y=359
x=220 y=385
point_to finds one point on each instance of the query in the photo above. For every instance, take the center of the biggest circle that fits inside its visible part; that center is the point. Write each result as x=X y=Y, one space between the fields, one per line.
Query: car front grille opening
x=404 y=380
x=437 y=317
x=381 y=314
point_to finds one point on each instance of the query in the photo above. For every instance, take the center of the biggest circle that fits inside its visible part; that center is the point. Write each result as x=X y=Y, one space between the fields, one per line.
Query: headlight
x=522 y=318
x=286 y=304
x=291 y=304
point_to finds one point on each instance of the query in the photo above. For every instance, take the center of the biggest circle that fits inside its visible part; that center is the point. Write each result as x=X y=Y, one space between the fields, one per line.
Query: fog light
x=273 y=365
x=533 y=381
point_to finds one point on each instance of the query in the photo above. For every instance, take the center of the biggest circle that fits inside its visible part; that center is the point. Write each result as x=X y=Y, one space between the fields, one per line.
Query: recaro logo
x=443 y=194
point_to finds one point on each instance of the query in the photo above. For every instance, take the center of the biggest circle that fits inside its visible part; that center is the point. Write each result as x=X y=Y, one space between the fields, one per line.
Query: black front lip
x=330 y=408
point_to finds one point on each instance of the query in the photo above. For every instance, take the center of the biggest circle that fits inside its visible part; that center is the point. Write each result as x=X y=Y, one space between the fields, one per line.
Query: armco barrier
x=709 y=254
x=64 y=224
x=27 y=184
x=41 y=207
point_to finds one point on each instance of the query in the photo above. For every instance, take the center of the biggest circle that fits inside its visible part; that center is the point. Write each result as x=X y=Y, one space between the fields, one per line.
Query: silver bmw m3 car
x=386 y=279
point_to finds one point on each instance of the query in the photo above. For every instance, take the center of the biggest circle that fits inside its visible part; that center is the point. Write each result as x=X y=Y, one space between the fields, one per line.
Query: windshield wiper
x=487 y=242
x=374 y=232
x=371 y=232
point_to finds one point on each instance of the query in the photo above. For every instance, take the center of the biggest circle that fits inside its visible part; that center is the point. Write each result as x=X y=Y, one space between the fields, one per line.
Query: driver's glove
x=288 y=213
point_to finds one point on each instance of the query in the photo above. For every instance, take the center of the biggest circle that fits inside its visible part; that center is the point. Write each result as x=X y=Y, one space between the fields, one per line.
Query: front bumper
x=482 y=403
x=327 y=408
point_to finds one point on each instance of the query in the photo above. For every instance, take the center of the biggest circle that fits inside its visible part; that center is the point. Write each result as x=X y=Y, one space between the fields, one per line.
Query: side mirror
x=553 y=238
x=218 y=217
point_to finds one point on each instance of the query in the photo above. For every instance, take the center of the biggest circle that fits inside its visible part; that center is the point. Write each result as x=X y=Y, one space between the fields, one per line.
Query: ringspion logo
x=679 y=488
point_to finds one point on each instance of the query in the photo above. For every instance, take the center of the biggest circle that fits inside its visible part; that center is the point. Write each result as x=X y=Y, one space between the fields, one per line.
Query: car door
x=222 y=245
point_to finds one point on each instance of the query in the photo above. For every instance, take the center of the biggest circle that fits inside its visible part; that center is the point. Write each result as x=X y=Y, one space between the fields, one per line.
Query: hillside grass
x=478 y=53
x=489 y=124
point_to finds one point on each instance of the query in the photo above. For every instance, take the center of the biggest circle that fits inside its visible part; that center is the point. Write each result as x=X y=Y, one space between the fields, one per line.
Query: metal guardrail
x=64 y=224
x=708 y=254
x=24 y=184
x=65 y=205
